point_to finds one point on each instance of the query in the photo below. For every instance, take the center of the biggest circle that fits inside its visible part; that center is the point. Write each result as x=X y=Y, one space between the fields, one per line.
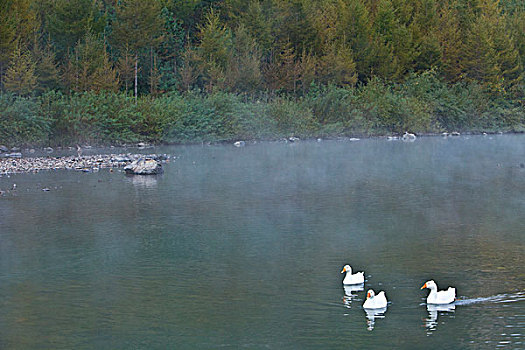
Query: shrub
x=21 y=122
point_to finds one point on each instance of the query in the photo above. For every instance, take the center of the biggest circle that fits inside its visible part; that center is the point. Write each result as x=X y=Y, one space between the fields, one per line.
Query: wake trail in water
x=496 y=299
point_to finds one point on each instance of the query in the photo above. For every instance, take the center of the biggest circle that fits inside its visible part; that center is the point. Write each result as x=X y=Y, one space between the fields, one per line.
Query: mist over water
x=243 y=247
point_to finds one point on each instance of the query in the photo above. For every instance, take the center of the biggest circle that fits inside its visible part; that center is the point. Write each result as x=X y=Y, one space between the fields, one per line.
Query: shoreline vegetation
x=422 y=104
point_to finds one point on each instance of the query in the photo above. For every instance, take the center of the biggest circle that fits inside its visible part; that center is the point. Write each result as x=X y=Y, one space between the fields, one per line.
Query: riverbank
x=16 y=160
x=87 y=163
x=422 y=104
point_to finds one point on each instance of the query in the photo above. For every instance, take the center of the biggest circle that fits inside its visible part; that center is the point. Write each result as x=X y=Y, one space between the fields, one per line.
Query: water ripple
x=500 y=298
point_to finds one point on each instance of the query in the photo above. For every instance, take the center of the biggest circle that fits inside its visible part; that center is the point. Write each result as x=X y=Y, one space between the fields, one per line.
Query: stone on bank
x=144 y=166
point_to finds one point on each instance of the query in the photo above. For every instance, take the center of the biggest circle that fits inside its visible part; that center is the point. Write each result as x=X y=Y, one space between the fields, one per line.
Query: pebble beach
x=85 y=163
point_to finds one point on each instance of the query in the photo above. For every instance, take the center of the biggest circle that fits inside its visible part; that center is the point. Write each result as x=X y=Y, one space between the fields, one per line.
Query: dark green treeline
x=110 y=71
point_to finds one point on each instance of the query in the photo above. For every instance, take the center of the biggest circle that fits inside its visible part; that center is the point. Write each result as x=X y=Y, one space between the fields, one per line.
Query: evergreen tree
x=126 y=67
x=282 y=72
x=89 y=67
x=244 y=68
x=307 y=70
x=258 y=20
x=190 y=69
x=71 y=20
x=489 y=53
x=170 y=50
x=155 y=75
x=423 y=28
x=396 y=38
x=137 y=27
x=337 y=67
x=46 y=67
x=25 y=19
x=20 y=77
x=214 y=49
x=450 y=40
x=104 y=78
x=517 y=28
x=7 y=36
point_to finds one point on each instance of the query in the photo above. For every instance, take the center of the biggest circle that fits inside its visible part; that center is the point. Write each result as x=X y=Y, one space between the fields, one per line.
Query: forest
x=180 y=71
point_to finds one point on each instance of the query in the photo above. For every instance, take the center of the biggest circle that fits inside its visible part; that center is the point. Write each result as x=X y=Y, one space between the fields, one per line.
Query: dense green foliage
x=109 y=71
x=422 y=104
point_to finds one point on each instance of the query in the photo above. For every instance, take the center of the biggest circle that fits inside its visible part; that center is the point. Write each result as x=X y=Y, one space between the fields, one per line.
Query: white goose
x=439 y=297
x=374 y=301
x=356 y=278
x=408 y=136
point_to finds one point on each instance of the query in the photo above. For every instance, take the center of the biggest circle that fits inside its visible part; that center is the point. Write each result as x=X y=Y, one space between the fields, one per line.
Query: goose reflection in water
x=347 y=298
x=372 y=315
x=433 y=312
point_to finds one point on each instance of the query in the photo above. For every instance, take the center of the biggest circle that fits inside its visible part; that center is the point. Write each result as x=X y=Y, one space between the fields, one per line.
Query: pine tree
x=282 y=72
x=170 y=50
x=337 y=67
x=7 y=36
x=489 y=54
x=89 y=67
x=215 y=49
x=244 y=69
x=126 y=68
x=71 y=20
x=307 y=70
x=104 y=78
x=517 y=28
x=25 y=20
x=450 y=40
x=137 y=27
x=423 y=28
x=190 y=69
x=155 y=75
x=20 y=77
x=46 y=67
x=396 y=38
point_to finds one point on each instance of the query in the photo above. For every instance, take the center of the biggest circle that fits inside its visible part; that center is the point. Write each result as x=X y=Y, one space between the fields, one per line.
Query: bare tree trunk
x=136 y=73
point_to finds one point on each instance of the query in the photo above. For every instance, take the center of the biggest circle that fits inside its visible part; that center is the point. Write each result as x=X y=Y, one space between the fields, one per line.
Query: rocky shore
x=15 y=163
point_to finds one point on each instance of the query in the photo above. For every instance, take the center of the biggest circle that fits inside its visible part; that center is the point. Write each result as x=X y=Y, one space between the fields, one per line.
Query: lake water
x=243 y=248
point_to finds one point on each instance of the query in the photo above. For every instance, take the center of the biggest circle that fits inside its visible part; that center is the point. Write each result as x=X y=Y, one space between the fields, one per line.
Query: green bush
x=21 y=121
x=423 y=103
x=291 y=118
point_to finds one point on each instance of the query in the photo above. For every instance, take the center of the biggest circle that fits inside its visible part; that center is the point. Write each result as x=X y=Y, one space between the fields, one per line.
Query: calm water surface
x=243 y=248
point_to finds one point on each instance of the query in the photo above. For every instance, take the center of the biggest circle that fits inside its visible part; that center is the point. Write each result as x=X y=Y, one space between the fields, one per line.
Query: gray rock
x=15 y=149
x=144 y=166
x=4 y=148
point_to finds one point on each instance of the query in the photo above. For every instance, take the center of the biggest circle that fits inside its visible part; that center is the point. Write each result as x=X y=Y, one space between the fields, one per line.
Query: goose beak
x=368 y=295
x=424 y=286
x=344 y=270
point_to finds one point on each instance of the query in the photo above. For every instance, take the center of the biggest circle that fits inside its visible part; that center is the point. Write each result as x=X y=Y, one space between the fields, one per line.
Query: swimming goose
x=439 y=297
x=356 y=278
x=408 y=136
x=374 y=301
